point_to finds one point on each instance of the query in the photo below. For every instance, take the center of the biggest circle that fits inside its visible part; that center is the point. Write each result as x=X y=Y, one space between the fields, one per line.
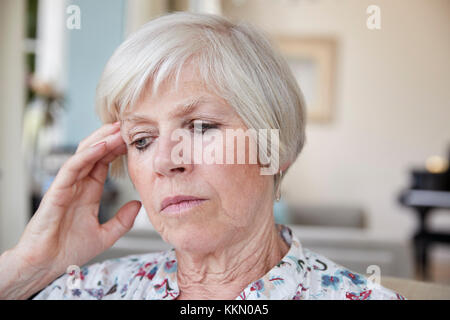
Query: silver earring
x=278 y=193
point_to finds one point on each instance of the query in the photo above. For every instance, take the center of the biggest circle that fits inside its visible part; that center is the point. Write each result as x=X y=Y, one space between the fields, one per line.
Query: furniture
x=416 y=290
x=423 y=202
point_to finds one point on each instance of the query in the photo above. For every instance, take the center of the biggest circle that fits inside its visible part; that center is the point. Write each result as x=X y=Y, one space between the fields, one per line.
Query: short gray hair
x=235 y=60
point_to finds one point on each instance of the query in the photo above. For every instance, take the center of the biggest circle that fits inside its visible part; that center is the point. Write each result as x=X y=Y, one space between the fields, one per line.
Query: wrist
x=18 y=279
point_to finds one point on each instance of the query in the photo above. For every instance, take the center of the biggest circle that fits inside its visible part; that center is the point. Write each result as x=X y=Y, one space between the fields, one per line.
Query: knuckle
x=81 y=144
x=70 y=162
x=122 y=225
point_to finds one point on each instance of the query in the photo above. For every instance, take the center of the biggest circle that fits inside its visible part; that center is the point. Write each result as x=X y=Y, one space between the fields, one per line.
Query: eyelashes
x=142 y=143
x=140 y=146
x=204 y=127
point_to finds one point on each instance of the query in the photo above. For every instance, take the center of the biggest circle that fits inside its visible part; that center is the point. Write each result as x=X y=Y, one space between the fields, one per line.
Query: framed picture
x=312 y=60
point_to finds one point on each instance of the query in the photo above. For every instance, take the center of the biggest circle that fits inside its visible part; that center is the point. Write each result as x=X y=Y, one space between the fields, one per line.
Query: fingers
x=120 y=224
x=111 y=141
x=99 y=135
x=81 y=163
x=100 y=170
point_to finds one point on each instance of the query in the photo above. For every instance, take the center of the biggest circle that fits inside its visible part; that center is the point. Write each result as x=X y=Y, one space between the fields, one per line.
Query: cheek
x=139 y=170
x=133 y=168
x=241 y=188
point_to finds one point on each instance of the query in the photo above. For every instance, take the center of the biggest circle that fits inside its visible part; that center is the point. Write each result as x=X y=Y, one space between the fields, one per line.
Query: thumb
x=121 y=223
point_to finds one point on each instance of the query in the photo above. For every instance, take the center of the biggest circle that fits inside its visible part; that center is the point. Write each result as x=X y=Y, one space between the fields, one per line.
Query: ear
x=285 y=165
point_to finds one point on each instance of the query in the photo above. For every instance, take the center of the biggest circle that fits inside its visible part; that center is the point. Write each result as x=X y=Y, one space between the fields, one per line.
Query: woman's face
x=236 y=197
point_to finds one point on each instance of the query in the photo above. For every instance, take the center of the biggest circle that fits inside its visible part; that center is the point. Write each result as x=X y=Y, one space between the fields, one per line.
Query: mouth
x=180 y=203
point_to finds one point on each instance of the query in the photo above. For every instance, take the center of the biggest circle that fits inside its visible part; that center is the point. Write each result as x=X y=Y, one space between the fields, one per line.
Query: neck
x=222 y=275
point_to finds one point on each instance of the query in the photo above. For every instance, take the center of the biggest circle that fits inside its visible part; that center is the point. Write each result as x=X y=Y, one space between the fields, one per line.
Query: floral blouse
x=301 y=274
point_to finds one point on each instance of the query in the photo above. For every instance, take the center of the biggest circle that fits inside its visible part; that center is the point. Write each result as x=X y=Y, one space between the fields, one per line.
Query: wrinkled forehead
x=196 y=104
x=183 y=90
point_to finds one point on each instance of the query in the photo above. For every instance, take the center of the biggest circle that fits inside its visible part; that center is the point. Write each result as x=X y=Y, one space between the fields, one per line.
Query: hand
x=65 y=229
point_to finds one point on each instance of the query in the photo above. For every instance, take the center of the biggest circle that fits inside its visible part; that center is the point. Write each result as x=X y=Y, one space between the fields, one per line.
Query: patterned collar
x=300 y=274
x=283 y=281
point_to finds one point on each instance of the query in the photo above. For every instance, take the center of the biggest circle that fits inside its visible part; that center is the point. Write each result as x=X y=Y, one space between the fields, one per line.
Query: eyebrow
x=181 y=109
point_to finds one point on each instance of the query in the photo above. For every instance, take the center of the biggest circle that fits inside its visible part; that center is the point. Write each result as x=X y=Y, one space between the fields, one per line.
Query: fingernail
x=98 y=144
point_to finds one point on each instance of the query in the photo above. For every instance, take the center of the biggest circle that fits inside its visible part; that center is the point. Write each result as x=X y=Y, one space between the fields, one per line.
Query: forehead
x=189 y=96
x=190 y=90
x=189 y=100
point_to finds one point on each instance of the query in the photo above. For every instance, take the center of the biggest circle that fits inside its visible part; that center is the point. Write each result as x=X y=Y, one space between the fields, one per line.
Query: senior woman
x=205 y=75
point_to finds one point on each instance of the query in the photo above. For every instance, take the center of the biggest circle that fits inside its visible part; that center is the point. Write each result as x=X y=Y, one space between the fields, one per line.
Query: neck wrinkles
x=223 y=275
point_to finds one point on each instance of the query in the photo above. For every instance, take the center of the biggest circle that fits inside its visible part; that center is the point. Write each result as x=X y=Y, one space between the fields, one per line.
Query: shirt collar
x=283 y=281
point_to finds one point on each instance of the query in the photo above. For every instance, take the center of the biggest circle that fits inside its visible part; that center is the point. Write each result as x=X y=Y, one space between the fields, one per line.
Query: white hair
x=235 y=61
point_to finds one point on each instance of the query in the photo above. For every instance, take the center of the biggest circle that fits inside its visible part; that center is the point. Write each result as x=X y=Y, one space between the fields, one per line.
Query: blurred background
x=372 y=185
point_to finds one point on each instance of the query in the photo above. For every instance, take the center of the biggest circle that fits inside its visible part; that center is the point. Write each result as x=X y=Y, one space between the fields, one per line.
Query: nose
x=163 y=163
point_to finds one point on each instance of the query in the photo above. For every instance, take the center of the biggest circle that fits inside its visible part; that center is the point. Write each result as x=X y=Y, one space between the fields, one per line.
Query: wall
x=138 y=12
x=14 y=207
x=392 y=102
x=89 y=48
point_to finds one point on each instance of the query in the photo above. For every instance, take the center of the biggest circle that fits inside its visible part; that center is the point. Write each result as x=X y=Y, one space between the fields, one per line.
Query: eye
x=201 y=127
x=141 y=144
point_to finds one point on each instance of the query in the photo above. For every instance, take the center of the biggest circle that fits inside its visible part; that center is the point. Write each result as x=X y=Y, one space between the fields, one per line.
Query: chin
x=196 y=238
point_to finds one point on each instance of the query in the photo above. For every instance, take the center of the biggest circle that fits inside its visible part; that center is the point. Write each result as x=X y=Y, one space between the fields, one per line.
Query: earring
x=278 y=193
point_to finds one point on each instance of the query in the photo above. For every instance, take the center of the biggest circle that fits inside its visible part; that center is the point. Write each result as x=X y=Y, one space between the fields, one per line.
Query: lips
x=177 y=200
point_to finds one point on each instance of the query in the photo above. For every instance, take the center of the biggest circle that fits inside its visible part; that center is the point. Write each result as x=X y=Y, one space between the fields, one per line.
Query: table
x=423 y=202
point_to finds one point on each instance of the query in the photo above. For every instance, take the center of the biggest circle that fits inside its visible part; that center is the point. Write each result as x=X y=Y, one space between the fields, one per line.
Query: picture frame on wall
x=312 y=61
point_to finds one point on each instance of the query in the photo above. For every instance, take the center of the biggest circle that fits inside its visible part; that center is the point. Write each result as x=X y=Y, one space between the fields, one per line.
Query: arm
x=18 y=281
